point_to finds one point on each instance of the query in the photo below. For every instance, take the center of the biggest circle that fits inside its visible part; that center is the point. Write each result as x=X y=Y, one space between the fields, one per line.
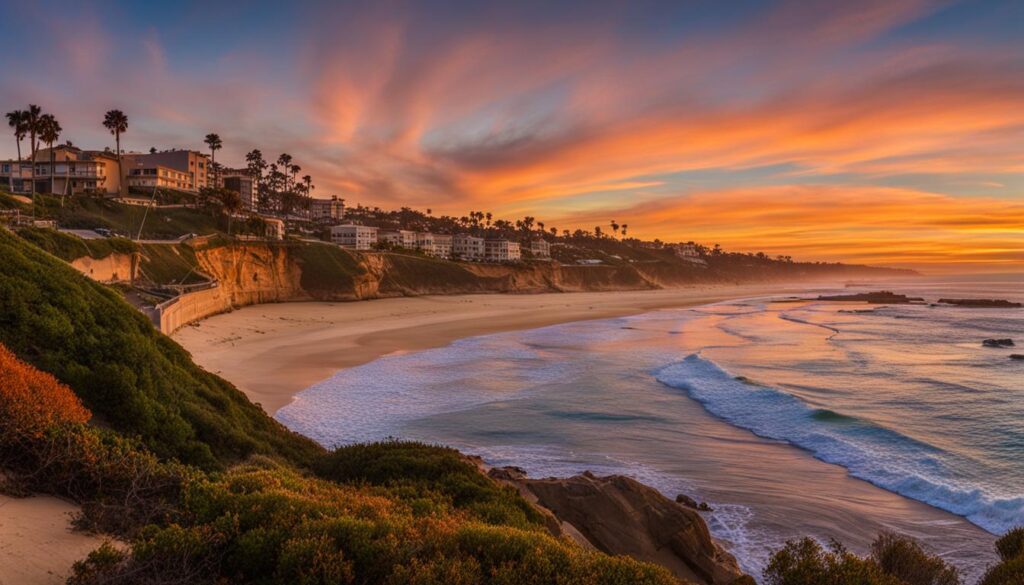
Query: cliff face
x=259 y=272
x=621 y=516
x=116 y=267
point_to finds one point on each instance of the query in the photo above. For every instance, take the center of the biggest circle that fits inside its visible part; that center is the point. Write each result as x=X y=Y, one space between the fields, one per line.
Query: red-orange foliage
x=32 y=401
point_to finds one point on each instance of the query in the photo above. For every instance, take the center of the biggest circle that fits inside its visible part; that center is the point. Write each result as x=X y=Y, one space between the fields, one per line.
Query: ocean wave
x=871 y=452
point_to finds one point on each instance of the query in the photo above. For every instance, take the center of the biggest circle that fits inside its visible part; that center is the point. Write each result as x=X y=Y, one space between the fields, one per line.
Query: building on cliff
x=327 y=210
x=467 y=247
x=501 y=251
x=74 y=171
x=241 y=182
x=540 y=248
x=274 y=228
x=398 y=238
x=194 y=164
x=354 y=237
x=442 y=246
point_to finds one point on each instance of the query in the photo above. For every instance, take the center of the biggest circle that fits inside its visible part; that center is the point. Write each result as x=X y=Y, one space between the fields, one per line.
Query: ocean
x=789 y=417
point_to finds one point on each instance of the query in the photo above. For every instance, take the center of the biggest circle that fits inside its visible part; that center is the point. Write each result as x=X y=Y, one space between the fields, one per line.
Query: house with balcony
x=467 y=247
x=74 y=171
x=502 y=251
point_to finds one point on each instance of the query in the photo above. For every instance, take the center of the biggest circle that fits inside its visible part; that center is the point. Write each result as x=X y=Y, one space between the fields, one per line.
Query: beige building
x=74 y=171
x=540 y=248
x=467 y=247
x=194 y=164
x=400 y=238
x=157 y=176
x=354 y=237
x=501 y=251
x=443 y=244
x=327 y=210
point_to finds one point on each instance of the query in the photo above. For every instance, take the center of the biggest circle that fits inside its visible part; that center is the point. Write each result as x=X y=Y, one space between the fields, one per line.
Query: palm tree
x=49 y=132
x=256 y=166
x=117 y=123
x=284 y=162
x=625 y=227
x=615 y=227
x=32 y=115
x=215 y=144
x=16 y=120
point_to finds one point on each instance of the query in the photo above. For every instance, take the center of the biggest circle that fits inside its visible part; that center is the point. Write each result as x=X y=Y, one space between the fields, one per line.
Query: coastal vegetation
x=136 y=379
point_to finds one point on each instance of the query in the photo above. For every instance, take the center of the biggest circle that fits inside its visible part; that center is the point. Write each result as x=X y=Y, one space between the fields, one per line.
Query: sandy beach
x=272 y=352
x=37 y=546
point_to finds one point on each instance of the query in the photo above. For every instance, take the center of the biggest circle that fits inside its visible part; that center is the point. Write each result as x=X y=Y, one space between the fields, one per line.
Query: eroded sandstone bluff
x=621 y=516
x=249 y=273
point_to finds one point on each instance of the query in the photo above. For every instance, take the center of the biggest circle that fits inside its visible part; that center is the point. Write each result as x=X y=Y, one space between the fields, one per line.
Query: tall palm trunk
x=120 y=174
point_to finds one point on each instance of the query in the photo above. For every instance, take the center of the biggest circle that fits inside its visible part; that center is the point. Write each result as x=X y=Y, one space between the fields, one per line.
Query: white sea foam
x=871 y=452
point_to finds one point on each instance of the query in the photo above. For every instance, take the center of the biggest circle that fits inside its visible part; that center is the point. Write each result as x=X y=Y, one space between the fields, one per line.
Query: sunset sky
x=888 y=132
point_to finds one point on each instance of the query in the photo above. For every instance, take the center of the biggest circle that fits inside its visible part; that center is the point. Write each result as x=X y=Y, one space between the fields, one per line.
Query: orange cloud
x=875 y=225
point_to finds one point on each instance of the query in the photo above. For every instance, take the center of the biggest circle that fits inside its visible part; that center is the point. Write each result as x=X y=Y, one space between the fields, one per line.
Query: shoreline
x=272 y=352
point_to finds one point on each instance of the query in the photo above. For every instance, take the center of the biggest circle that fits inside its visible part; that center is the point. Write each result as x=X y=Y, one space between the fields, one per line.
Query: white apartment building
x=400 y=238
x=425 y=242
x=687 y=251
x=354 y=237
x=501 y=251
x=327 y=210
x=442 y=246
x=540 y=248
x=467 y=247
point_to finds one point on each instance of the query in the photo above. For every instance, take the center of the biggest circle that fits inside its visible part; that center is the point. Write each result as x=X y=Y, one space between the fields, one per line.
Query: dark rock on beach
x=1017 y=356
x=875 y=298
x=998 y=343
x=689 y=502
x=619 y=515
x=982 y=303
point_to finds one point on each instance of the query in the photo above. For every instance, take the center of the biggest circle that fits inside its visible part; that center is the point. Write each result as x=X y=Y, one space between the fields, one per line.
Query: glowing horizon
x=880 y=132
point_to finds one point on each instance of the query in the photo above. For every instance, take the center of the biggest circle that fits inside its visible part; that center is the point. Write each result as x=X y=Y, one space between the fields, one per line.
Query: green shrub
x=903 y=558
x=265 y=523
x=805 y=562
x=432 y=478
x=1009 y=572
x=1011 y=544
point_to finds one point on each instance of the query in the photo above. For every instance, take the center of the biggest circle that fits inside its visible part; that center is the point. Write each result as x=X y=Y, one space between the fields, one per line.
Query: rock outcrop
x=998 y=343
x=621 y=516
x=982 y=303
x=875 y=298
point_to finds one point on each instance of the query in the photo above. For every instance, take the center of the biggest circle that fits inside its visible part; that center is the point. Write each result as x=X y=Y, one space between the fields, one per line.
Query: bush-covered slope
x=132 y=377
x=68 y=247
